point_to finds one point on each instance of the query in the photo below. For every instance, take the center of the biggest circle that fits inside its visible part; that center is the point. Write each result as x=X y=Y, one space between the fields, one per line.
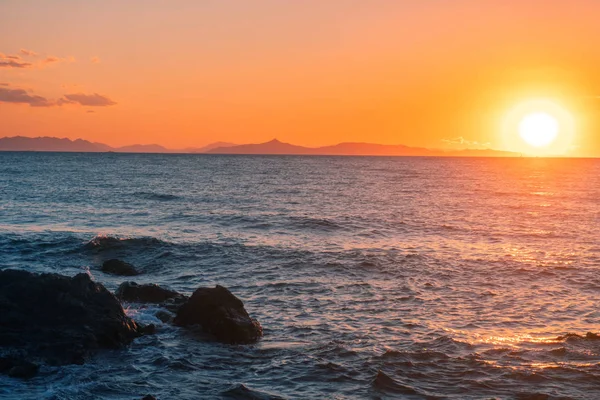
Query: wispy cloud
x=26 y=52
x=461 y=141
x=16 y=61
x=95 y=60
x=53 y=60
x=20 y=96
x=91 y=100
x=13 y=61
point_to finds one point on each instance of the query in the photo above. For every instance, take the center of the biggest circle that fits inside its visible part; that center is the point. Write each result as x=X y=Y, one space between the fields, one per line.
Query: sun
x=539 y=129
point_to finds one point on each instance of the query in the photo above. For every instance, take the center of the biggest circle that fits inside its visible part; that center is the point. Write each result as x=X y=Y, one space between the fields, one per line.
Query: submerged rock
x=164 y=316
x=242 y=392
x=148 y=293
x=385 y=383
x=18 y=368
x=119 y=267
x=221 y=314
x=60 y=319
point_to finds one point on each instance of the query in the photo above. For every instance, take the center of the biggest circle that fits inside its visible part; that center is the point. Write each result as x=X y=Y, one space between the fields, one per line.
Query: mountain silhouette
x=208 y=147
x=20 y=143
x=355 y=149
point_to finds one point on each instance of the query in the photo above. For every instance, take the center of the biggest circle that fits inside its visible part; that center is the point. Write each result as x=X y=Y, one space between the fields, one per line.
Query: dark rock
x=60 y=319
x=149 y=397
x=24 y=370
x=6 y=363
x=149 y=329
x=164 y=316
x=119 y=267
x=221 y=314
x=149 y=293
x=242 y=392
x=18 y=368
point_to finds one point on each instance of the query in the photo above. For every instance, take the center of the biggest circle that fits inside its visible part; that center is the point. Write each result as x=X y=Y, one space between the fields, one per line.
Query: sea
x=373 y=277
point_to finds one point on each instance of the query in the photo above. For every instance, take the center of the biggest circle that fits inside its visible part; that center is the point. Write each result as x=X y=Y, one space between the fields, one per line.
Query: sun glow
x=539 y=127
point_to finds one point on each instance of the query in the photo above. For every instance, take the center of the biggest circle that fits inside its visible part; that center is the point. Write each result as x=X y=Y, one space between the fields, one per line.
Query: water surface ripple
x=373 y=277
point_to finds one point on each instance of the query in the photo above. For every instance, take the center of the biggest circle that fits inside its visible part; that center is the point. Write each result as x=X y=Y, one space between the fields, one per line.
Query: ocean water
x=373 y=277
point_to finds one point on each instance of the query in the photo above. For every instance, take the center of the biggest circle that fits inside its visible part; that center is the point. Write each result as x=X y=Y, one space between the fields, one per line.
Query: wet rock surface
x=220 y=314
x=119 y=267
x=148 y=293
x=58 y=319
x=164 y=316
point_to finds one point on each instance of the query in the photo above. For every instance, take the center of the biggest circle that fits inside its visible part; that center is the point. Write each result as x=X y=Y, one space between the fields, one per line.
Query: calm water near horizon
x=457 y=278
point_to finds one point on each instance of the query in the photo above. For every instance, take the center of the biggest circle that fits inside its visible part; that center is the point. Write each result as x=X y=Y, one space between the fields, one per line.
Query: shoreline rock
x=60 y=319
x=220 y=314
x=148 y=293
x=118 y=267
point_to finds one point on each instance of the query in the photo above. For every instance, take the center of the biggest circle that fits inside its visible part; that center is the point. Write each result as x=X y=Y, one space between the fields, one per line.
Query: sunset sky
x=181 y=73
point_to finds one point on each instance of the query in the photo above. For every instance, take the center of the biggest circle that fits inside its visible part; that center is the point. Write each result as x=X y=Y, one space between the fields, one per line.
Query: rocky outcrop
x=119 y=267
x=147 y=293
x=59 y=319
x=218 y=312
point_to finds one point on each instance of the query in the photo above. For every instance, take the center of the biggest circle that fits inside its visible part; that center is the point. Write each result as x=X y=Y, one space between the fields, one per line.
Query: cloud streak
x=461 y=141
x=90 y=100
x=15 y=60
x=21 y=96
x=26 y=52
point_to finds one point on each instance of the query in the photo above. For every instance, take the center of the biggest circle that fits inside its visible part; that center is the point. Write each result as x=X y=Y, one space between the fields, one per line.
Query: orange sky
x=312 y=72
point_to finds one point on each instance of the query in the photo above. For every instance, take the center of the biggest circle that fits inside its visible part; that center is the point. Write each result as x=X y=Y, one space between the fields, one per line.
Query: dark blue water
x=450 y=278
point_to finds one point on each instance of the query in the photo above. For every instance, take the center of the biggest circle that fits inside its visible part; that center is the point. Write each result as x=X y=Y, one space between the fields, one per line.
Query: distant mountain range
x=20 y=143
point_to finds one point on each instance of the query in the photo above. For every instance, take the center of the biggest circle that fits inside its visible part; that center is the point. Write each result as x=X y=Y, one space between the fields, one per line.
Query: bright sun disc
x=539 y=129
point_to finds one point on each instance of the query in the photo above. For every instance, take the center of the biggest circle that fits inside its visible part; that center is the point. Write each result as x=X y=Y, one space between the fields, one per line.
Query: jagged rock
x=148 y=293
x=119 y=267
x=59 y=319
x=221 y=314
x=149 y=397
